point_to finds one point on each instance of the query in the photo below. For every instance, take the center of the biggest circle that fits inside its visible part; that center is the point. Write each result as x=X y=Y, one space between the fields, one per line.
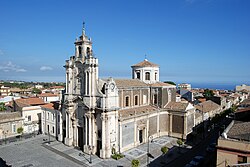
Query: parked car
x=211 y=148
x=197 y=160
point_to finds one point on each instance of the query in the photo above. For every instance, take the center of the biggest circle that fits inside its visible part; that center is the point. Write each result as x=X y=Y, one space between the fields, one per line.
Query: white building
x=104 y=114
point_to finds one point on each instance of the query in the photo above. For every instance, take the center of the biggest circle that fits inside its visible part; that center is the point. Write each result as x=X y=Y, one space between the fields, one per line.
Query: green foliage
x=208 y=93
x=170 y=82
x=179 y=142
x=117 y=156
x=20 y=130
x=36 y=91
x=135 y=163
x=2 y=106
x=164 y=149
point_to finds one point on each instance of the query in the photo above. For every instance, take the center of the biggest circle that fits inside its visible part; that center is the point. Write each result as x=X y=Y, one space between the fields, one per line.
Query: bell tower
x=83 y=45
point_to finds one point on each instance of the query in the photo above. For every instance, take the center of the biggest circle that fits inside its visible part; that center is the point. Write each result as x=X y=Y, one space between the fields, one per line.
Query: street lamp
x=90 y=150
x=49 y=137
x=5 y=134
x=148 y=154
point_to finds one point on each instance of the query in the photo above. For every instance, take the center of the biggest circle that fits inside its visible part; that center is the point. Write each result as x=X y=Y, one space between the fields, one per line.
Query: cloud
x=9 y=66
x=46 y=68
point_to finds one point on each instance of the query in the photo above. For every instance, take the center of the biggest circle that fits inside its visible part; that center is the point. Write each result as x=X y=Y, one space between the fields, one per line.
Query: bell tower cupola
x=83 y=45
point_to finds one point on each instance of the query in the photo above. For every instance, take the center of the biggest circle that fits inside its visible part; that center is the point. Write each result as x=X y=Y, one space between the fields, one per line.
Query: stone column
x=103 y=150
x=185 y=126
x=170 y=124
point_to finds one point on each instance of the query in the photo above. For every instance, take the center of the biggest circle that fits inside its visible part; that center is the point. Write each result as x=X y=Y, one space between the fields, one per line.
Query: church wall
x=128 y=134
x=178 y=124
x=152 y=125
x=163 y=123
x=131 y=93
x=190 y=122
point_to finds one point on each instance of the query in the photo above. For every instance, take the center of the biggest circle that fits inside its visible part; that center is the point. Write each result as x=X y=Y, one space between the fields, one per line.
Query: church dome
x=145 y=63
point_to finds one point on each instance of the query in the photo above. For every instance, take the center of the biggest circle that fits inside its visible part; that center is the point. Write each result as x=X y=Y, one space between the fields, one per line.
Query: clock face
x=112 y=86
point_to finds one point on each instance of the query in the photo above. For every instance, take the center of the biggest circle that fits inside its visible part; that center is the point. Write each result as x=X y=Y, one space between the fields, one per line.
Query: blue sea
x=219 y=86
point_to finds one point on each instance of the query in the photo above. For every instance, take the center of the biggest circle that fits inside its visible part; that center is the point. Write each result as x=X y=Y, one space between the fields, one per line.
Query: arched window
x=136 y=100
x=155 y=99
x=147 y=76
x=156 y=76
x=126 y=101
x=80 y=50
x=88 y=51
x=138 y=75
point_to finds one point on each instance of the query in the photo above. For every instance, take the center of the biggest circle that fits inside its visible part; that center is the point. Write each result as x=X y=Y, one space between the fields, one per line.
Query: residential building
x=233 y=148
x=242 y=87
x=49 y=97
x=4 y=91
x=184 y=86
x=9 y=123
x=31 y=113
x=51 y=121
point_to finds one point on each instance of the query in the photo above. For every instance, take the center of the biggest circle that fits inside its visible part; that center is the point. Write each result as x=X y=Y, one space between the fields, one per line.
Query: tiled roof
x=124 y=113
x=120 y=83
x=240 y=130
x=161 y=84
x=29 y=101
x=145 y=63
x=48 y=105
x=57 y=87
x=247 y=109
x=207 y=106
x=47 y=95
x=176 y=106
x=5 y=116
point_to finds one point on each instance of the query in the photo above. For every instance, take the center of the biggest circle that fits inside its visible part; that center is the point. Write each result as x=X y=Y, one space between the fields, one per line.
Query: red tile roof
x=145 y=63
x=47 y=95
x=48 y=105
x=33 y=101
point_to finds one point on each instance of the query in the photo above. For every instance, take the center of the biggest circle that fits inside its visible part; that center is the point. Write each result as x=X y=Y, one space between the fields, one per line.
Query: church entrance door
x=140 y=136
x=80 y=138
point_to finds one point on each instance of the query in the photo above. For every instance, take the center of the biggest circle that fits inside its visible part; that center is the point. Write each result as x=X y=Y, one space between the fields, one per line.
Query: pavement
x=37 y=151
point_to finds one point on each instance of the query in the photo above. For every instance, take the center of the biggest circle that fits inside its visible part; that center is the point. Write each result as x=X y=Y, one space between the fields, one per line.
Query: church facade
x=105 y=115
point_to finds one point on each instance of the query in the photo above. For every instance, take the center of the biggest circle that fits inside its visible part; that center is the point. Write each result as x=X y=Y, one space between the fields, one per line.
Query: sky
x=193 y=41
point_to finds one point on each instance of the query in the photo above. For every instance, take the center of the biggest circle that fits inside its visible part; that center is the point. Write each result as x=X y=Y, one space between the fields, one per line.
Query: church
x=101 y=116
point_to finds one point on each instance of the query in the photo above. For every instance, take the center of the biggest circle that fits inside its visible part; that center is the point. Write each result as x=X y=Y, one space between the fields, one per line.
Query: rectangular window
x=242 y=159
x=53 y=129
x=29 y=118
x=58 y=119
x=136 y=100
x=13 y=128
x=52 y=117
x=48 y=116
x=48 y=128
x=126 y=101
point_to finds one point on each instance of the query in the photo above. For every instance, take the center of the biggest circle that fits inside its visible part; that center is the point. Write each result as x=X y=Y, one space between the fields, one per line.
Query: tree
x=164 y=149
x=36 y=91
x=208 y=93
x=170 y=82
x=20 y=131
x=135 y=163
x=2 y=106
x=179 y=142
